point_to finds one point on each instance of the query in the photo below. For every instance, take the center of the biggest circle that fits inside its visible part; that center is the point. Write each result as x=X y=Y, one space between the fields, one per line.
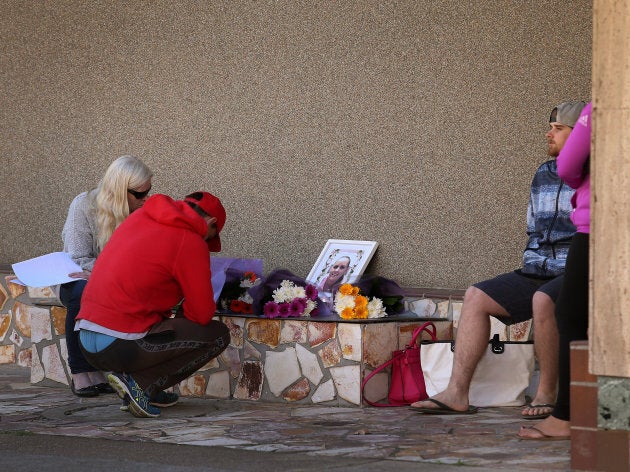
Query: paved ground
x=202 y=434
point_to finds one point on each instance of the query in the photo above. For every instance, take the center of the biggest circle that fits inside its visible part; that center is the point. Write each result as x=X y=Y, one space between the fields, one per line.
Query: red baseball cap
x=212 y=206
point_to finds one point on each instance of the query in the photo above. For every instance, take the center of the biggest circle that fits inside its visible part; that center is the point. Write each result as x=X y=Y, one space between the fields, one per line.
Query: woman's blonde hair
x=112 y=207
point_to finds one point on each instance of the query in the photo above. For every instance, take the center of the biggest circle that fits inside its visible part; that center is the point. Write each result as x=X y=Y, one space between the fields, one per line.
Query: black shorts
x=514 y=292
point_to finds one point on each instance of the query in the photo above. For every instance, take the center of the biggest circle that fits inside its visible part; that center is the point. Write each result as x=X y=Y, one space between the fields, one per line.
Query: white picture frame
x=358 y=254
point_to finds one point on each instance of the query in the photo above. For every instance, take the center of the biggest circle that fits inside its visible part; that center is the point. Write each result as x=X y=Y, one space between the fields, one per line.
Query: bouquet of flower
x=291 y=300
x=349 y=305
x=235 y=297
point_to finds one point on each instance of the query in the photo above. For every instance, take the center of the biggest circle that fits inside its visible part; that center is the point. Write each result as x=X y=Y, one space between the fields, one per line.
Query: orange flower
x=347 y=313
x=358 y=308
x=360 y=301
x=346 y=289
x=361 y=313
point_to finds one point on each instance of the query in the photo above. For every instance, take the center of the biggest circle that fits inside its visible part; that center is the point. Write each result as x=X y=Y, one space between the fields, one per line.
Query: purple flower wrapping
x=386 y=289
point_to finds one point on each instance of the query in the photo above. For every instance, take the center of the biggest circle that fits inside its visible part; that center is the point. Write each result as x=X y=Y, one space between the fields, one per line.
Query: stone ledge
x=318 y=360
x=15 y=323
x=303 y=360
x=306 y=360
x=429 y=292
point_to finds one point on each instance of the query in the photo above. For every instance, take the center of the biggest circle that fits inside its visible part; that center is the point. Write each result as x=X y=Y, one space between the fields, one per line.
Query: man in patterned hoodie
x=526 y=293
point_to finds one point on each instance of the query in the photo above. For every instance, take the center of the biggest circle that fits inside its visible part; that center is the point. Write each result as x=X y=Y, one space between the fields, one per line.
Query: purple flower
x=271 y=310
x=284 y=310
x=311 y=292
x=297 y=307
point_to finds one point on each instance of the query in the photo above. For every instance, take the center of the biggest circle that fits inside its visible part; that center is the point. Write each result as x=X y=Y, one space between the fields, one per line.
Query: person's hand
x=84 y=274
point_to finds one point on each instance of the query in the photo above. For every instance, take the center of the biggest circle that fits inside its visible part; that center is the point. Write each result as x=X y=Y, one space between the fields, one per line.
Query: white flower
x=298 y=292
x=310 y=306
x=247 y=283
x=375 y=308
x=288 y=291
x=283 y=292
x=343 y=301
x=286 y=284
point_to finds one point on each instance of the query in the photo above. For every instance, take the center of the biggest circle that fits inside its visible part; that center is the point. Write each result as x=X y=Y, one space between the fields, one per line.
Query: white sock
x=81 y=380
x=97 y=377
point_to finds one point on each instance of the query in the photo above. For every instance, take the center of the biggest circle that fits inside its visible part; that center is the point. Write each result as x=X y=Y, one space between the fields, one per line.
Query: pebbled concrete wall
x=415 y=124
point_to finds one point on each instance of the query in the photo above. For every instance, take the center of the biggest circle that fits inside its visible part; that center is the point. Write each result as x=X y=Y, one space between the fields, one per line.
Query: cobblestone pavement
x=487 y=439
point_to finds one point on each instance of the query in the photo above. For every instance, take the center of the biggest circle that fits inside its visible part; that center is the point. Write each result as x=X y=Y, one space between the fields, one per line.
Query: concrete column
x=610 y=200
x=609 y=336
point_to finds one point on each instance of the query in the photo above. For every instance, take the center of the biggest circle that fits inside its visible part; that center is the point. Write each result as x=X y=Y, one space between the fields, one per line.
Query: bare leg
x=475 y=322
x=546 y=348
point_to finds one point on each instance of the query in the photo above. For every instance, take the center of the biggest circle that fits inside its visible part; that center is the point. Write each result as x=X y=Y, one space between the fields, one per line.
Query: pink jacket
x=573 y=168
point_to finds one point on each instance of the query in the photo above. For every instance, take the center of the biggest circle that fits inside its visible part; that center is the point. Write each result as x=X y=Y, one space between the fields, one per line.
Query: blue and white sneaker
x=128 y=389
x=125 y=405
x=161 y=400
x=164 y=399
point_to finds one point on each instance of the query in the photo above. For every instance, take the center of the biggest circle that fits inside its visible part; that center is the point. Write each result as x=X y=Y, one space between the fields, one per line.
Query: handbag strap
x=372 y=374
x=427 y=327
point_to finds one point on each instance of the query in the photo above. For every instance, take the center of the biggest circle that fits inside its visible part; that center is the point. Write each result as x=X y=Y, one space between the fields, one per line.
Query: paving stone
x=487 y=439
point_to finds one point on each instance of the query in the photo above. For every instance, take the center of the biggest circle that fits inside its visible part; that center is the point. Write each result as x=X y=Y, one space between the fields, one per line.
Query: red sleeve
x=192 y=271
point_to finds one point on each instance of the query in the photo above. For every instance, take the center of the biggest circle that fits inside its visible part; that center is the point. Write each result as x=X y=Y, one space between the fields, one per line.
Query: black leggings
x=70 y=295
x=171 y=352
x=571 y=316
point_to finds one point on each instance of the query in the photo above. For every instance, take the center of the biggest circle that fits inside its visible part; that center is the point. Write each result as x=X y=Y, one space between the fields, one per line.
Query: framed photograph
x=341 y=261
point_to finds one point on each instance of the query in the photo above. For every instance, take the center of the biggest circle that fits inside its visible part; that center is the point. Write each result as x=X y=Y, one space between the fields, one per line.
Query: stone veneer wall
x=16 y=322
x=282 y=360
x=303 y=360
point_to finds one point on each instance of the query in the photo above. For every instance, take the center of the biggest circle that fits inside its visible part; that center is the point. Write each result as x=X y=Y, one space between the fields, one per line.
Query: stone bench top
x=333 y=318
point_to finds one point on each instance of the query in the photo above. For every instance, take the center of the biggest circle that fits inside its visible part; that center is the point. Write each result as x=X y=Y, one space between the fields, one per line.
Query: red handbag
x=407 y=382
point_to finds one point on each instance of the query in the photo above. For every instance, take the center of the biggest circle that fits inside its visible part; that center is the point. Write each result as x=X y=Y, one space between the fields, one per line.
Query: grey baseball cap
x=567 y=113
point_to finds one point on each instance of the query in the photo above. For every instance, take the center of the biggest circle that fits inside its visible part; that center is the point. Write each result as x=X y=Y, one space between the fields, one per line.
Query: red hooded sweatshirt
x=156 y=257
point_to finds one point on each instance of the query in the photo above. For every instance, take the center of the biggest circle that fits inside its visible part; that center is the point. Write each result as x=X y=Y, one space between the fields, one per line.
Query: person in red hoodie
x=156 y=259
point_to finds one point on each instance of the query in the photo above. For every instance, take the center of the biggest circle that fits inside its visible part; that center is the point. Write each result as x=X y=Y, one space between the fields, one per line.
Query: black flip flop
x=541 y=416
x=444 y=409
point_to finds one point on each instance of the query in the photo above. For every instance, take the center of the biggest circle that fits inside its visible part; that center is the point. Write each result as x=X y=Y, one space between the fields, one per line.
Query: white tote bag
x=501 y=377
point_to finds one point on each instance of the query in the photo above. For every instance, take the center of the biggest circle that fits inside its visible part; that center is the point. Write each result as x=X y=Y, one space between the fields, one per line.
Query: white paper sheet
x=46 y=270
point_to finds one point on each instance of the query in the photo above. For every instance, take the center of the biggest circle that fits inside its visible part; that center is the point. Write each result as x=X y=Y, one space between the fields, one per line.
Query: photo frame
x=350 y=257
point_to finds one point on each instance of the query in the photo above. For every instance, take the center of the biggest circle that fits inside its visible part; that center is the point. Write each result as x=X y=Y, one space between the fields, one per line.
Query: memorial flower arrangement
x=350 y=305
x=291 y=300
x=235 y=297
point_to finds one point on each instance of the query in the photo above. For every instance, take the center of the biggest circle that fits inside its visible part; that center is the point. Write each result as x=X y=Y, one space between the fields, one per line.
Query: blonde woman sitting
x=92 y=218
